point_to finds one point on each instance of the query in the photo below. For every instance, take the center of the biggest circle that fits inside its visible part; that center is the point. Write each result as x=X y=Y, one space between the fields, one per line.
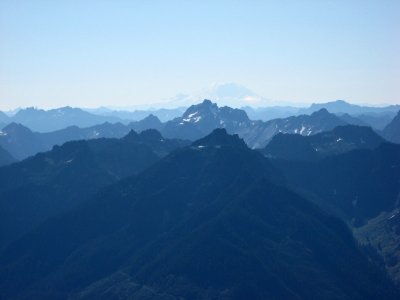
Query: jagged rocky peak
x=220 y=137
x=210 y=110
x=196 y=111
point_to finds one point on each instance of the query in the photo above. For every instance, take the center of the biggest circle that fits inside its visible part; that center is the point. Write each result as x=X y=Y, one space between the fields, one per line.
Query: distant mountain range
x=56 y=119
x=201 y=119
x=196 y=122
x=308 y=148
x=212 y=220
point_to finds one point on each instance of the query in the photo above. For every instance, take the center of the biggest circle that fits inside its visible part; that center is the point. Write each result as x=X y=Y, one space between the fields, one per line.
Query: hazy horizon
x=132 y=54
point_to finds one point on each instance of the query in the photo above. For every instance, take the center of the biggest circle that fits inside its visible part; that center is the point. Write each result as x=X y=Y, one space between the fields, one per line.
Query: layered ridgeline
x=52 y=182
x=22 y=142
x=197 y=121
x=40 y=120
x=340 y=140
x=208 y=221
x=55 y=119
x=392 y=130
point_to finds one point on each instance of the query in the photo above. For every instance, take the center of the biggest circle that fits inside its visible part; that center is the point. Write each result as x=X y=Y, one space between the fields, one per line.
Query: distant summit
x=230 y=94
x=201 y=119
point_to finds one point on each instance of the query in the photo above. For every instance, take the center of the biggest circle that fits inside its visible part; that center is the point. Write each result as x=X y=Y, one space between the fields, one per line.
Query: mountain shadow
x=209 y=221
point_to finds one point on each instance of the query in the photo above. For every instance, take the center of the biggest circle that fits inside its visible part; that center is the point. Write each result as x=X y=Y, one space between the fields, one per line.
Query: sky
x=127 y=53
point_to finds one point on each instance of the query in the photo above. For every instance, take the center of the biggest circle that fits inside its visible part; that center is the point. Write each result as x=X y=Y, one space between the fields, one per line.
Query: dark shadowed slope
x=362 y=187
x=307 y=148
x=359 y=184
x=206 y=222
x=52 y=182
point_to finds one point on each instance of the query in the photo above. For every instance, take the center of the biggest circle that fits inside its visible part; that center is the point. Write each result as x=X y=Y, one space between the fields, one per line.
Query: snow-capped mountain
x=229 y=94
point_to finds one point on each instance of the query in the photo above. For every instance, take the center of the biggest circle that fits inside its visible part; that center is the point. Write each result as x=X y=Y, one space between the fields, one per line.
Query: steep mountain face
x=56 y=119
x=5 y=157
x=49 y=183
x=381 y=235
x=307 y=148
x=392 y=130
x=206 y=222
x=260 y=133
x=199 y=120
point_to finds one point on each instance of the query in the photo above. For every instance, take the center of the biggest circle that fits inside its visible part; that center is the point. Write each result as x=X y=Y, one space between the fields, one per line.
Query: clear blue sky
x=92 y=53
